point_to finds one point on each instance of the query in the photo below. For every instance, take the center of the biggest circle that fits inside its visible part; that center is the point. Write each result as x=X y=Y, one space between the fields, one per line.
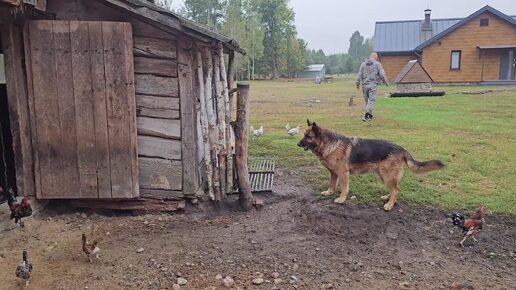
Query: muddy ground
x=311 y=243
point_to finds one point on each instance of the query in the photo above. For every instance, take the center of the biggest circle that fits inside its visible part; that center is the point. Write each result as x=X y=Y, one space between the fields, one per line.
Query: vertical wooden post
x=231 y=69
x=188 y=117
x=230 y=78
x=208 y=94
x=227 y=118
x=204 y=125
x=17 y=99
x=241 y=144
x=221 y=122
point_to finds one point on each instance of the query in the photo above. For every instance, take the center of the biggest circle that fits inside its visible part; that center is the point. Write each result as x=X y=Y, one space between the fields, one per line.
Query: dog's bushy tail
x=419 y=167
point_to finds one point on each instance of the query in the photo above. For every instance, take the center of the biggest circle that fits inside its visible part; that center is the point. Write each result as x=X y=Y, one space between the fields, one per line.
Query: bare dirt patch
x=311 y=243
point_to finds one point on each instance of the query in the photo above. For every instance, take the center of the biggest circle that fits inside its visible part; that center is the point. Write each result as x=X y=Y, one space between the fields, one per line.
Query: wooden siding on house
x=393 y=64
x=436 y=57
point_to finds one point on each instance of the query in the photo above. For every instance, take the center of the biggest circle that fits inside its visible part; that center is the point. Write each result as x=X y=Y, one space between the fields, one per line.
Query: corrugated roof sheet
x=398 y=36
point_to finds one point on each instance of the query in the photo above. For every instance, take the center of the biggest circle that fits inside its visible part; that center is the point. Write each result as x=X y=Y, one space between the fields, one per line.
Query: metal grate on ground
x=261 y=173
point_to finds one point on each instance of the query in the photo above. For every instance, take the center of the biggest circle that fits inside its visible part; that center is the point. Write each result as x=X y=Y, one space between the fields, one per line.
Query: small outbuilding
x=313 y=71
x=414 y=80
x=119 y=103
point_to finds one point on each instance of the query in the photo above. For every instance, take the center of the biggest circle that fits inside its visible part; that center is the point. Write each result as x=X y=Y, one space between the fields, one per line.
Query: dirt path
x=312 y=243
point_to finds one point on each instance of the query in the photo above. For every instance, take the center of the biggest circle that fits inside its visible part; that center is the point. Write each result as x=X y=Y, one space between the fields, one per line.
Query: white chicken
x=257 y=133
x=287 y=127
x=294 y=131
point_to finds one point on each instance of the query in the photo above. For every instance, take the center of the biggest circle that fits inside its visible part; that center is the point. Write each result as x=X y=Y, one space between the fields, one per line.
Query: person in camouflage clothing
x=369 y=74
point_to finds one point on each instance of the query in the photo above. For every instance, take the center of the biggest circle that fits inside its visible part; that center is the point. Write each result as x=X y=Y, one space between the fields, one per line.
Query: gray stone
x=181 y=281
x=228 y=282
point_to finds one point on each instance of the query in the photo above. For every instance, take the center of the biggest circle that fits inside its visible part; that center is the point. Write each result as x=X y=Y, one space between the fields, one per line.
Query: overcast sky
x=328 y=24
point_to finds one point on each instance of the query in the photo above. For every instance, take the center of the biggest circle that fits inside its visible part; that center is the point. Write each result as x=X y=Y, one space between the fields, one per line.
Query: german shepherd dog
x=343 y=156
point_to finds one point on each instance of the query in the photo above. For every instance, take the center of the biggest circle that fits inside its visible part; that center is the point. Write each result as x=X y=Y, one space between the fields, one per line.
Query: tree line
x=267 y=32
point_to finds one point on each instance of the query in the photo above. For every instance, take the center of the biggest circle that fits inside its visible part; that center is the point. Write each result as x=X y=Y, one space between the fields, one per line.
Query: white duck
x=294 y=131
x=257 y=133
x=287 y=127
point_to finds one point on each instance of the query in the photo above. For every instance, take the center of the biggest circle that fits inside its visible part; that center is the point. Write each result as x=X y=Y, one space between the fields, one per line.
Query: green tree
x=278 y=22
x=297 y=56
x=356 y=43
x=317 y=56
x=207 y=12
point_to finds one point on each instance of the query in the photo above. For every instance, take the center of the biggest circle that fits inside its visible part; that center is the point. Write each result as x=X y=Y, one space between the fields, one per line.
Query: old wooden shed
x=115 y=102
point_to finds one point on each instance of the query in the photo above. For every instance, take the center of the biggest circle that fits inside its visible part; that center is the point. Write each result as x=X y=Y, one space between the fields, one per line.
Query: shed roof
x=413 y=72
x=173 y=20
x=314 y=67
x=407 y=36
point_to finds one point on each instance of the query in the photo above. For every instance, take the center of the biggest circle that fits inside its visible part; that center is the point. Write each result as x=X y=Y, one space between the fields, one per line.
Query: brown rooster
x=18 y=210
x=90 y=249
x=470 y=226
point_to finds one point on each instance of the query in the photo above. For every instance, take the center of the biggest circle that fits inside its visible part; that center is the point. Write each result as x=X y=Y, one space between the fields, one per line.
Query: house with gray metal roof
x=480 y=48
x=313 y=71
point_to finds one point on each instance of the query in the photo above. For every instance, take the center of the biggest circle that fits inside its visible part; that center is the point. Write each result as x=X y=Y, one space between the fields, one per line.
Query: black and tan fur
x=343 y=156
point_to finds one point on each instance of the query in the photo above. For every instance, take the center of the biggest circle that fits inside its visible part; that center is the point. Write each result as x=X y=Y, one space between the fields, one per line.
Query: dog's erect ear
x=315 y=128
x=308 y=122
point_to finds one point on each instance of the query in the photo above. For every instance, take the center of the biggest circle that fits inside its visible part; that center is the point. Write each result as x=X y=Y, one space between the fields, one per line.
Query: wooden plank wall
x=158 y=104
x=81 y=88
x=160 y=151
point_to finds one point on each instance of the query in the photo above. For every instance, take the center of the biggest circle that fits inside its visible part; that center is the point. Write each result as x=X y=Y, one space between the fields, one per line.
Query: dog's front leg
x=344 y=186
x=333 y=184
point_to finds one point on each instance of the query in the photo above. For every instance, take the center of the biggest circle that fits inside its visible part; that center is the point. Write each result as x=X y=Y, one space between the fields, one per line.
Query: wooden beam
x=162 y=194
x=165 y=128
x=221 y=122
x=17 y=97
x=212 y=131
x=154 y=47
x=160 y=174
x=157 y=102
x=149 y=146
x=227 y=120
x=204 y=126
x=241 y=144
x=148 y=84
x=140 y=204
x=188 y=121
x=30 y=93
x=159 y=67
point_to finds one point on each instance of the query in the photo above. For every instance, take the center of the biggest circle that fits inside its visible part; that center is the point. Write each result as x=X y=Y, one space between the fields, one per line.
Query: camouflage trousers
x=369 y=97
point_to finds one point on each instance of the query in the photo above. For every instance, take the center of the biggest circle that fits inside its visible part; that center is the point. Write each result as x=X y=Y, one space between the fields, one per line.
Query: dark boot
x=370 y=117
x=366 y=117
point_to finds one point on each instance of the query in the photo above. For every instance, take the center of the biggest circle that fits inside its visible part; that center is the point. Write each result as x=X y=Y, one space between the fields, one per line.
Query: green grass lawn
x=475 y=135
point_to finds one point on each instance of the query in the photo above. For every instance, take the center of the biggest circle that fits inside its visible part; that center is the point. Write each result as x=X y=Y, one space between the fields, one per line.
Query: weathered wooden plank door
x=82 y=109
